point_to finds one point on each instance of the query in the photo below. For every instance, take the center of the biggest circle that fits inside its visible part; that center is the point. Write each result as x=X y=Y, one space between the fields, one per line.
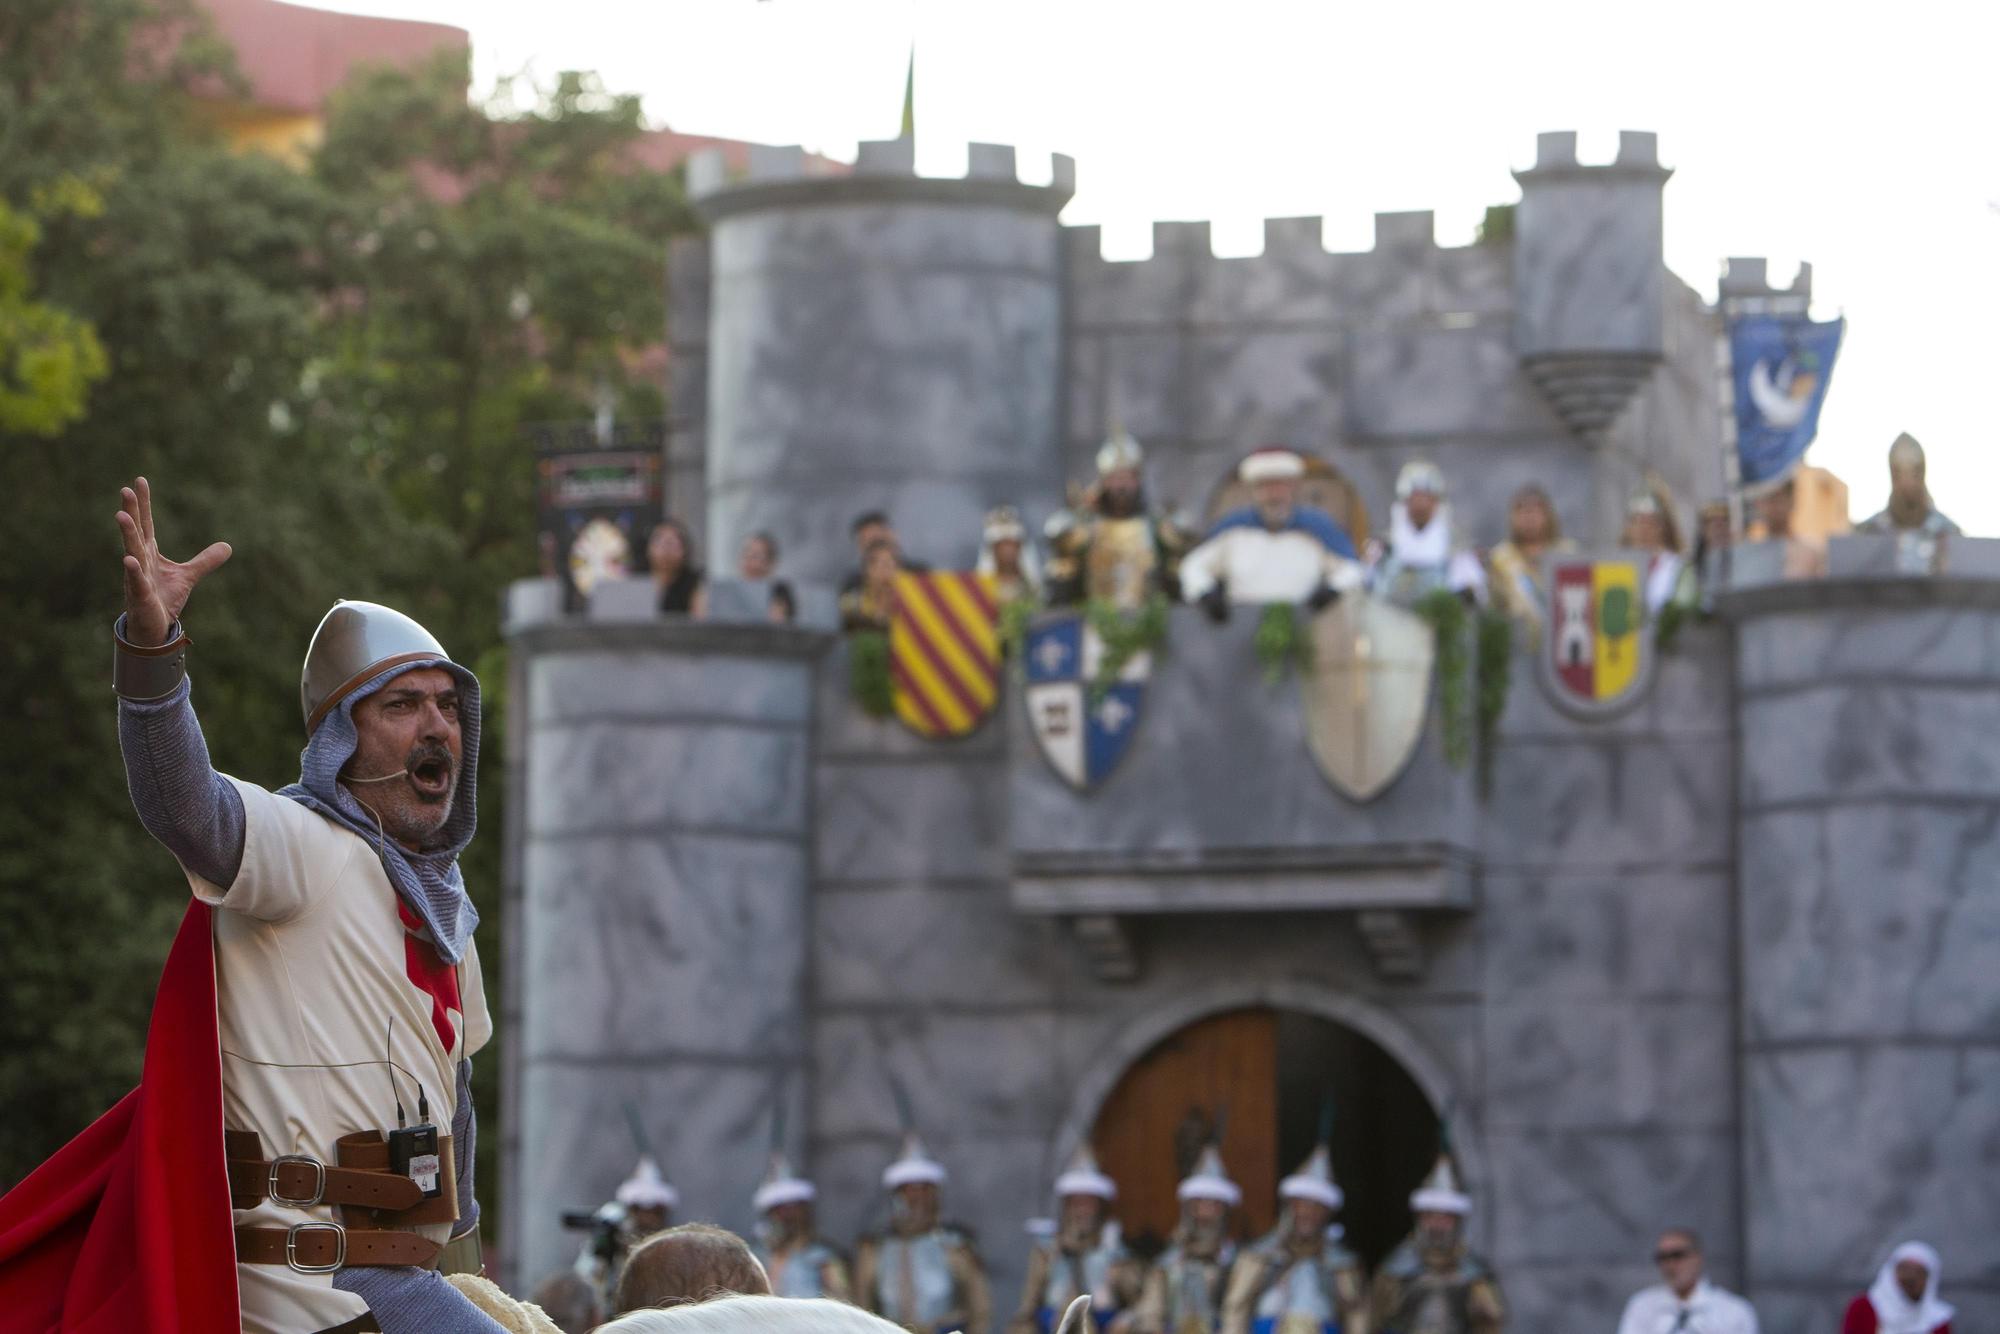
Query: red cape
x=128 y=1227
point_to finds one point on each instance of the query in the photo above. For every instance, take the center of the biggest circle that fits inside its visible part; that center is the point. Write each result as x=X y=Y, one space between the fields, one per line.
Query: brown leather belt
x=377 y=1205
x=321 y=1248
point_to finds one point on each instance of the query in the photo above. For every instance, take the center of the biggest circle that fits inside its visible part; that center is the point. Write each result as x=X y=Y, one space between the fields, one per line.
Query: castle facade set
x=1723 y=960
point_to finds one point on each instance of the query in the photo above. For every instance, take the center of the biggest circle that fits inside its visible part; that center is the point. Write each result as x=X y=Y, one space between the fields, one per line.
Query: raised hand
x=156 y=589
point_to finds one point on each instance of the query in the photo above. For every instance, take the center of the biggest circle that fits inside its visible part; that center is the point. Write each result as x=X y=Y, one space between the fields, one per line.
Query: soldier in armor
x=1106 y=547
x=1911 y=509
x=799 y=1263
x=1183 y=1293
x=1423 y=553
x=1432 y=1284
x=1300 y=1279
x=1086 y=1255
x=924 y=1275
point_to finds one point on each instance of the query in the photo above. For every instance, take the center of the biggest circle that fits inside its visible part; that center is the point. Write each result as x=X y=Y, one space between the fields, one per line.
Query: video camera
x=605 y=1224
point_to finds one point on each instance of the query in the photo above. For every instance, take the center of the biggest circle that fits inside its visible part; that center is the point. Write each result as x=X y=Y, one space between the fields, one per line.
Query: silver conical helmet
x=355 y=643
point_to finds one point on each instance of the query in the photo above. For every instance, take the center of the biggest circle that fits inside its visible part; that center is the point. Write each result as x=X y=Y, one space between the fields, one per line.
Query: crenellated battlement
x=884 y=168
x=1284 y=238
x=1555 y=155
x=1746 y=282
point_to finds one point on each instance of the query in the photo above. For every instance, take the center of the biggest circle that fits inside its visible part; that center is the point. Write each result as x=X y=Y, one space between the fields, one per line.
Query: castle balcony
x=1218 y=806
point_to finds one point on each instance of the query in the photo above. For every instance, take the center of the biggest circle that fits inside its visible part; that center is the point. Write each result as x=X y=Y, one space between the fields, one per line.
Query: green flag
x=909 y=130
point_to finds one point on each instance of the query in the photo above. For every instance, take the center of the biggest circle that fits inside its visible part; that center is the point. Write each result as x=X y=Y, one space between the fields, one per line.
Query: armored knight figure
x=1423 y=553
x=1183 y=1292
x=1086 y=1256
x=923 y=1275
x=1432 y=1284
x=1274 y=550
x=1106 y=547
x=799 y=1263
x=1299 y=1279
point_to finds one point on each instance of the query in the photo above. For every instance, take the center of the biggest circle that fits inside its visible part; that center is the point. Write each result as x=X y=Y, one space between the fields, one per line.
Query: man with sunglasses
x=1686 y=1302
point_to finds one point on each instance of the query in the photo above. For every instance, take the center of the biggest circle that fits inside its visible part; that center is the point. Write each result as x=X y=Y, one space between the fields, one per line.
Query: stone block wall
x=660 y=914
x=1870 y=848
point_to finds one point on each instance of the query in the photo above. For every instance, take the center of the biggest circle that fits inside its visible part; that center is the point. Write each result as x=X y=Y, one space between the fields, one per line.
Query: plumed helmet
x=1441 y=1192
x=1084 y=1177
x=1273 y=463
x=1119 y=451
x=648 y=1187
x=355 y=643
x=781 y=1185
x=1314 y=1181
x=1210 y=1180
x=1419 y=475
x=915 y=1167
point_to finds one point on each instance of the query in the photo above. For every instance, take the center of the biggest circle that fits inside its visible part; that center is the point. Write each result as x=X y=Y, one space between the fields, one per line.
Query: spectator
x=570 y=1302
x=869 y=529
x=690 y=1263
x=1803 y=559
x=679 y=580
x=1904 y=1297
x=1685 y=1302
x=1515 y=566
x=1650 y=527
x=754 y=1315
x=1713 y=539
x=758 y=562
x=871 y=604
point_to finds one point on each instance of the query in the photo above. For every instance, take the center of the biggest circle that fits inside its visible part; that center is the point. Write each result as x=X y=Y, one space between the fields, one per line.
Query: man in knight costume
x=799 y=1263
x=1300 y=1279
x=1275 y=550
x=1183 y=1292
x=347 y=994
x=1086 y=1256
x=1423 y=553
x=923 y=1275
x=1106 y=547
x=1432 y=1284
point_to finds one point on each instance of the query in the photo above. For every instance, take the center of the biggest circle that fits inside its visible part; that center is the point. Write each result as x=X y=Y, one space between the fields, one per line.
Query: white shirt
x=1257 y=565
x=313 y=976
x=1710 y=1310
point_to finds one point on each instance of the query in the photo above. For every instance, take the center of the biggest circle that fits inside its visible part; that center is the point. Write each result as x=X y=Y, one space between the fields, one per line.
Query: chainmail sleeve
x=181 y=800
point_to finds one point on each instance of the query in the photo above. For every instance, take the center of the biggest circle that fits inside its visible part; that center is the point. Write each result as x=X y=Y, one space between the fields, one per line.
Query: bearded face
x=407 y=754
x=1204 y=1227
x=1118 y=492
x=1082 y=1222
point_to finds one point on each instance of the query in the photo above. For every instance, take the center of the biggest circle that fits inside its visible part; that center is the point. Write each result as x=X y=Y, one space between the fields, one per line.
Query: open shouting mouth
x=430 y=775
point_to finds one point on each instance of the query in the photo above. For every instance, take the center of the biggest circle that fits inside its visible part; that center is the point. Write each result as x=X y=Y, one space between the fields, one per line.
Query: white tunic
x=1709 y=1310
x=313 y=970
x=1257 y=565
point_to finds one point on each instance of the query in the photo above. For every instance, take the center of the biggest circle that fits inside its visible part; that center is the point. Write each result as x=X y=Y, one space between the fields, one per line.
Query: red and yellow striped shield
x=944 y=652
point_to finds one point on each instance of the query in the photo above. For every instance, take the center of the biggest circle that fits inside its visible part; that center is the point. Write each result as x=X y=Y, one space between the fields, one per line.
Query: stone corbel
x=1393 y=943
x=1107 y=945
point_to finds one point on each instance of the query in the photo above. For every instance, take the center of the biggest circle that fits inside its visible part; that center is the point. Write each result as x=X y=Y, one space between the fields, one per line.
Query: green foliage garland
x=1460 y=634
x=1012 y=629
x=1124 y=635
x=1281 y=642
x=1496 y=667
x=868 y=673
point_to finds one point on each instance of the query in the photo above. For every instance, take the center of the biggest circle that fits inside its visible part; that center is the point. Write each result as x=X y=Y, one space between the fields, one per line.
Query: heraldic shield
x=944 y=652
x=1083 y=732
x=1367 y=692
x=1597 y=659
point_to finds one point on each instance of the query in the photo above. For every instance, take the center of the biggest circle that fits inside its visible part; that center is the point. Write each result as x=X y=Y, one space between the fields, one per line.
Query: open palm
x=156 y=589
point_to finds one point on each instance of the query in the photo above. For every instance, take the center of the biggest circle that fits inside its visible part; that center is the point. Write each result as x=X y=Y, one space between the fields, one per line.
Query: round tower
x=1868 y=854
x=879 y=341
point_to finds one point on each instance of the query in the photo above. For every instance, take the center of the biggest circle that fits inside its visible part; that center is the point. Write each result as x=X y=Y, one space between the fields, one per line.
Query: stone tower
x=879 y=340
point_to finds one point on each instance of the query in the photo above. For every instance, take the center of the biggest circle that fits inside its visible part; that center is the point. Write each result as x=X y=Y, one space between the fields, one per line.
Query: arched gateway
x=1265 y=1063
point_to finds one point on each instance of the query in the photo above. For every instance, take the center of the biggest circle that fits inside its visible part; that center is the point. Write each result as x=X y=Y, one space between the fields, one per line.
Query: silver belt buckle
x=319 y=1181
x=292 y=1247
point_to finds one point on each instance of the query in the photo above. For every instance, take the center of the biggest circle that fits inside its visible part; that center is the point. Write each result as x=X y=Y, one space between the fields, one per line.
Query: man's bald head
x=687 y=1264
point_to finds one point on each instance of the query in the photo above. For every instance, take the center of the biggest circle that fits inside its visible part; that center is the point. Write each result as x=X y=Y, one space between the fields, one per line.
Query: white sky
x=1862 y=137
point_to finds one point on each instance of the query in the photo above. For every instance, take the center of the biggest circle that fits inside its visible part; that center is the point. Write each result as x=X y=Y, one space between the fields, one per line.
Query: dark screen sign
x=598 y=493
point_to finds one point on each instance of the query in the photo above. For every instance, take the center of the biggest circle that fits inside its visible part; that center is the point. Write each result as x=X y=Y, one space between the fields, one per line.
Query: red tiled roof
x=295 y=56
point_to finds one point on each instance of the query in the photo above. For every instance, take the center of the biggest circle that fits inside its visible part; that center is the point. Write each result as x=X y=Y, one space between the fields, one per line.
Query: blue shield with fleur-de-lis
x=1084 y=725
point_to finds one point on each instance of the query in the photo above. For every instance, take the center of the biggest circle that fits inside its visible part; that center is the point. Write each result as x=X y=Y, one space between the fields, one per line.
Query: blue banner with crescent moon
x=1782 y=366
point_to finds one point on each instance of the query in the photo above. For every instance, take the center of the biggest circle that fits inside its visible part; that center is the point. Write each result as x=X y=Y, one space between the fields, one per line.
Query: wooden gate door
x=1157 y=1117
